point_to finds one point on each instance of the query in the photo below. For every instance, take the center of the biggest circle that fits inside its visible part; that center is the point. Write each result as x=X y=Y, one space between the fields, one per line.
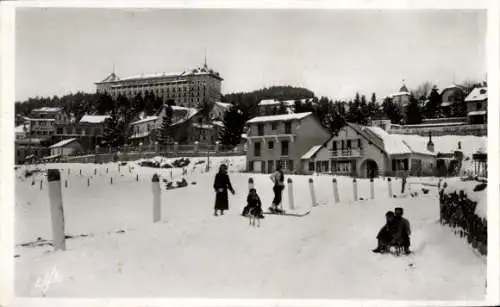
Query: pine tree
x=114 y=132
x=164 y=134
x=282 y=108
x=234 y=122
x=392 y=111
x=433 y=104
x=413 y=114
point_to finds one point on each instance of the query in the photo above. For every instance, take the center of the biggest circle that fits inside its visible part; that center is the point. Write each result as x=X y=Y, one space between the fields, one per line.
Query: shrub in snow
x=458 y=211
x=182 y=162
x=480 y=187
x=166 y=165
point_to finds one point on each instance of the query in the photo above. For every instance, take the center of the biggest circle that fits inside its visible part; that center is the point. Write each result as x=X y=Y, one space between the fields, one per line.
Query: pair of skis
x=283 y=212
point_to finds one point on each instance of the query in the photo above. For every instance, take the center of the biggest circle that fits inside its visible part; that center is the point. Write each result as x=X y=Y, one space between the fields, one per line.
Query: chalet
x=477 y=106
x=65 y=148
x=452 y=100
x=369 y=151
x=281 y=139
x=219 y=110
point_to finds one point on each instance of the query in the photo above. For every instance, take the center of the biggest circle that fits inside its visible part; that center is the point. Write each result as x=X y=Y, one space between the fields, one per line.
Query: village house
x=477 y=106
x=401 y=98
x=369 y=151
x=452 y=101
x=64 y=148
x=282 y=139
x=219 y=109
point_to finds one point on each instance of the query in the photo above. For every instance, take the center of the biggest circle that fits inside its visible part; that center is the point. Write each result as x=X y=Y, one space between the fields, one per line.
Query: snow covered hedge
x=463 y=207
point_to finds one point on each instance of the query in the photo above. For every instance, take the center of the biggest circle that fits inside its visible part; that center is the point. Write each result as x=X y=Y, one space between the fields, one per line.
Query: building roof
x=416 y=145
x=475 y=113
x=392 y=145
x=477 y=94
x=20 y=128
x=48 y=109
x=226 y=105
x=312 y=152
x=145 y=120
x=63 y=143
x=281 y=117
x=94 y=119
x=275 y=102
x=204 y=70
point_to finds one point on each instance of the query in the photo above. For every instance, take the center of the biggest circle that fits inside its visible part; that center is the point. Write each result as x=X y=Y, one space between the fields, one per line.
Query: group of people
x=396 y=232
x=222 y=184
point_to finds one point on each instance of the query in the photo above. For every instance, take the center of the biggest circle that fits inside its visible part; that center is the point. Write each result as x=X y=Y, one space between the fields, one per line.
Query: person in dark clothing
x=221 y=185
x=253 y=203
x=406 y=232
x=389 y=235
x=278 y=179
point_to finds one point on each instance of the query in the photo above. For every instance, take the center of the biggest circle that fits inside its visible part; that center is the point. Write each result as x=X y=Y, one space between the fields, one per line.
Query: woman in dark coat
x=221 y=185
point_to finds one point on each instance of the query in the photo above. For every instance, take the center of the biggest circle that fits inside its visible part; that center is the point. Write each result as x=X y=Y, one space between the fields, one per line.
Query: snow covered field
x=191 y=253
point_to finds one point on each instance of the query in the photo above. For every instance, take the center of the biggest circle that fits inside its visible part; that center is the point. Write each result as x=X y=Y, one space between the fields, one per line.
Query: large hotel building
x=188 y=88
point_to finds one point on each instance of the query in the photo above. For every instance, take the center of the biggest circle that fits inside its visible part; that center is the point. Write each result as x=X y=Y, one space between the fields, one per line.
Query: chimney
x=430 y=144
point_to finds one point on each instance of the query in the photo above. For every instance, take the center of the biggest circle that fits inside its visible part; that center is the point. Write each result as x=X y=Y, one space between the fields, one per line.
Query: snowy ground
x=191 y=253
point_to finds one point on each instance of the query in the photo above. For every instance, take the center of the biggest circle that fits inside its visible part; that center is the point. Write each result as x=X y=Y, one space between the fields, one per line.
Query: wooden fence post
x=56 y=209
x=156 y=198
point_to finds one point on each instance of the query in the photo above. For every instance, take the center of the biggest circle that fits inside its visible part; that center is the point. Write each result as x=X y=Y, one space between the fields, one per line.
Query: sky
x=334 y=53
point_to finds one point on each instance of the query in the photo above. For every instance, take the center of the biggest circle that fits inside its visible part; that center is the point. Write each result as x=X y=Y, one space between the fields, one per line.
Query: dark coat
x=392 y=233
x=221 y=185
x=252 y=203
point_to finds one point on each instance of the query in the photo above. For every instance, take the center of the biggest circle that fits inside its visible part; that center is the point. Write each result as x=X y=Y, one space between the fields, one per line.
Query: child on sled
x=254 y=205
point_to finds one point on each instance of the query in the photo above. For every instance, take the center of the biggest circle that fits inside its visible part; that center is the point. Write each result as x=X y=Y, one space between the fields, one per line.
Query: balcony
x=347 y=153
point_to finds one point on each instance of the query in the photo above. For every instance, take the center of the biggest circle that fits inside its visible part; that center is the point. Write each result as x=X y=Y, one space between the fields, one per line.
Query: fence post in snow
x=355 y=189
x=106 y=170
x=389 y=184
x=217 y=146
x=66 y=183
x=171 y=175
x=56 y=209
x=111 y=180
x=156 y=198
x=80 y=172
x=335 y=191
x=313 y=193
x=137 y=177
x=88 y=182
x=95 y=171
x=372 y=189
x=290 y=193
x=250 y=183
x=41 y=184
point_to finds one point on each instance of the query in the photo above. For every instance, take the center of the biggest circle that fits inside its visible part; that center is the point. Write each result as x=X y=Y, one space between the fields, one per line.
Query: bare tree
x=423 y=90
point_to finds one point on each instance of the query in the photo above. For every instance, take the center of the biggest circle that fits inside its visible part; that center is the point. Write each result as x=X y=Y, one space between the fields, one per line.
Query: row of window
x=341 y=167
x=274 y=127
x=286 y=165
x=270 y=146
x=347 y=144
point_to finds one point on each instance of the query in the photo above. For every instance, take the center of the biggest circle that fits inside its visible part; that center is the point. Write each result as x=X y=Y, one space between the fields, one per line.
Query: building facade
x=452 y=101
x=368 y=151
x=219 y=109
x=189 y=88
x=65 y=148
x=401 y=98
x=281 y=139
x=477 y=106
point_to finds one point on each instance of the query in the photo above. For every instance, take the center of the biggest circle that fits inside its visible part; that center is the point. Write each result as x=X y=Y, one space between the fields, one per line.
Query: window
x=334 y=146
x=256 y=149
x=270 y=145
x=359 y=144
x=288 y=127
x=260 y=129
x=273 y=126
x=284 y=148
x=348 y=144
x=311 y=166
x=478 y=106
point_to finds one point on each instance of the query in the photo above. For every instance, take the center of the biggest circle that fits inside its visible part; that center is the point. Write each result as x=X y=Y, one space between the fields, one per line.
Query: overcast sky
x=332 y=52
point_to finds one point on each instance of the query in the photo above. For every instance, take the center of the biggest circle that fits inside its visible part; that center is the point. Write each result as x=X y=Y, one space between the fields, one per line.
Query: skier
x=389 y=235
x=278 y=179
x=253 y=202
x=406 y=228
x=221 y=185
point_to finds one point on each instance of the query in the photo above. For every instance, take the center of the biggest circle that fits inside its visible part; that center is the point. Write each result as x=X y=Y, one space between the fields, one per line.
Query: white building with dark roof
x=188 y=88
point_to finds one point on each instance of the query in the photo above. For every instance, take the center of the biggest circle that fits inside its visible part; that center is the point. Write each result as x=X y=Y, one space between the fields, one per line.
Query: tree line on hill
x=333 y=115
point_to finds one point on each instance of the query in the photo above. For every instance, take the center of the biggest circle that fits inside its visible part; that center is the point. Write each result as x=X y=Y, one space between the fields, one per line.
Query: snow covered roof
x=48 y=109
x=20 y=128
x=475 y=113
x=218 y=123
x=94 y=119
x=453 y=86
x=203 y=126
x=41 y=119
x=275 y=102
x=145 y=120
x=392 y=145
x=140 y=135
x=416 y=145
x=63 y=143
x=308 y=155
x=281 y=117
x=477 y=94
x=226 y=105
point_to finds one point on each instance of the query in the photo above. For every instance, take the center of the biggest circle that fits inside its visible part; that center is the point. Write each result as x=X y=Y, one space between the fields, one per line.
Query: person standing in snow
x=221 y=185
x=278 y=179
